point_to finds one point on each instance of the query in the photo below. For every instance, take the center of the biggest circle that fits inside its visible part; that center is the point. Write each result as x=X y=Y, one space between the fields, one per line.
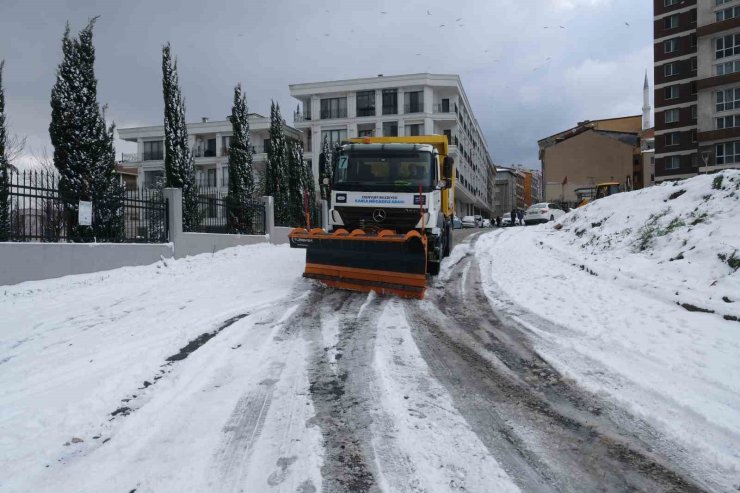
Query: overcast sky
x=525 y=75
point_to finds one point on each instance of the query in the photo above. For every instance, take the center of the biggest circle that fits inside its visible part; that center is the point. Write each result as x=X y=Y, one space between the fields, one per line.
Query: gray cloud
x=524 y=81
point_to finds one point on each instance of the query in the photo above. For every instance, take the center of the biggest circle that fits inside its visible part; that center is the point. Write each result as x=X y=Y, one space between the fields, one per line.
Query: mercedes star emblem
x=379 y=215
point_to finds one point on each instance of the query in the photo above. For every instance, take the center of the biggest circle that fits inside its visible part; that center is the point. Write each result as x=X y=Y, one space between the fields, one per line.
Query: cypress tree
x=307 y=184
x=178 y=161
x=295 y=184
x=4 y=167
x=275 y=181
x=83 y=145
x=241 y=179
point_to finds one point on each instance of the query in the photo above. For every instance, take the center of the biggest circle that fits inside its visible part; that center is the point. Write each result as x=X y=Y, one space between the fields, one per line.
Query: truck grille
x=400 y=220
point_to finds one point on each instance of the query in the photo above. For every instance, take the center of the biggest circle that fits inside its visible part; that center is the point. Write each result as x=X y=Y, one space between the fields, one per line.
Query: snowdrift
x=637 y=298
x=683 y=235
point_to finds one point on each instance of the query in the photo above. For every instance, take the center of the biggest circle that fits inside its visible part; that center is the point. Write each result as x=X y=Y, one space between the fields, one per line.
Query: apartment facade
x=509 y=191
x=209 y=142
x=718 y=33
x=402 y=105
x=675 y=55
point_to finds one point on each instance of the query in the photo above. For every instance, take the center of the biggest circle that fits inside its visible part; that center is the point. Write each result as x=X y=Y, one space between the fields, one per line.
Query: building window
x=225 y=176
x=673 y=139
x=211 y=177
x=727 y=100
x=728 y=152
x=670 y=69
x=672 y=162
x=448 y=133
x=671 y=22
x=730 y=121
x=366 y=103
x=413 y=102
x=693 y=87
x=333 y=108
x=721 y=2
x=693 y=64
x=153 y=150
x=334 y=137
x=692 y=40
x=728 y=67
x=390 y=102
x=694 y=112
x=225 y=143
x=692 y=16
x=390 y=129
x=445 y=105
x=668 y=3
x=728 y=13
x=693 y=136
x=670 y=45
x=672 y=116
x=366 y=132
x=413 y=130
x=153 y=179
x=727 y=46
x=671 y=92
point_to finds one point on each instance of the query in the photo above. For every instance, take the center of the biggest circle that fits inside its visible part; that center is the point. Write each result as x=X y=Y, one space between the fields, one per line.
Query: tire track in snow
x=544 y=432
x=338 y=391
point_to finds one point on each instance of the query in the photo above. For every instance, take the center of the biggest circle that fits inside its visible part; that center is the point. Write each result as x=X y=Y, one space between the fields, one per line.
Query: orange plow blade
x=385 y=262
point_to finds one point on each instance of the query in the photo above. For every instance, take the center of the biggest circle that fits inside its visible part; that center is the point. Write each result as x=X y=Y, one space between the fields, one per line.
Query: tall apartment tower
x=718 y=32
x=675 y=55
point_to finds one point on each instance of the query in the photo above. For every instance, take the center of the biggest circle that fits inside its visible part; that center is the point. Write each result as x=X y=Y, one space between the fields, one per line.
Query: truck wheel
x=448 y=241
x=433 y=268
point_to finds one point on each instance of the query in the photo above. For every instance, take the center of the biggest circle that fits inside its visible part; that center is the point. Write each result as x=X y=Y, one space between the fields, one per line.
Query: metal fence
x=38 y=214
x=218 y=214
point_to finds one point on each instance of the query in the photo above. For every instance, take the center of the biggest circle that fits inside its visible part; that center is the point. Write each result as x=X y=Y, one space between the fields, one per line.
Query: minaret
x=646 y=104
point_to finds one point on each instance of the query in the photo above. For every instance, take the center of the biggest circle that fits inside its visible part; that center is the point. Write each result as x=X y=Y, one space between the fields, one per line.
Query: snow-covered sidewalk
x=611 y=300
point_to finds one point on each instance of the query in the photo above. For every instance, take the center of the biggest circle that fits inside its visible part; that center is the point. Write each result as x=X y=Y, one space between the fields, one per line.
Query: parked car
x=506 y=219
x=469 y=222
x=456 y=223
x=486 y=223
x=542 y=213
x=478 y=220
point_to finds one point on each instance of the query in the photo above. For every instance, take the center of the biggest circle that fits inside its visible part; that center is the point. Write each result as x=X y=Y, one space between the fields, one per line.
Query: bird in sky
x=545 y=27
x=441 y=25
x=327 y=35
x=383 y=12
x=627 y=24
x=418 y=54
x=428 y=12
x=562 y=27
x=458 y=19
x=547 y=58
x=485 y=51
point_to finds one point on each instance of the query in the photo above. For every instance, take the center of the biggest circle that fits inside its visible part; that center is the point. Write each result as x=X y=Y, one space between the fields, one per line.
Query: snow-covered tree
x=294 y=175
x=83 y=143
x=275 y=179
x=178 y=160
x=241 y=179
x=4 y=167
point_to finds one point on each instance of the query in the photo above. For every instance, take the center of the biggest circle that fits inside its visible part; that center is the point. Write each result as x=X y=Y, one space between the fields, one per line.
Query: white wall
x=21 y=262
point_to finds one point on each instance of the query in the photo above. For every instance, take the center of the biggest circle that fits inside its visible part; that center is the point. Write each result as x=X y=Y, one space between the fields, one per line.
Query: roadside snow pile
x=684 y=234
x=637 y=298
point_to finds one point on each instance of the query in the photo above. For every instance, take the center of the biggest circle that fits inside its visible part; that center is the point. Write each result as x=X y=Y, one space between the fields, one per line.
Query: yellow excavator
x=391 y=204
x=602 y=190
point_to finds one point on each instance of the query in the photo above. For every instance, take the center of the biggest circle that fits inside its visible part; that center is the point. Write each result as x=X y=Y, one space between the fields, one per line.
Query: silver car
x=469 y=222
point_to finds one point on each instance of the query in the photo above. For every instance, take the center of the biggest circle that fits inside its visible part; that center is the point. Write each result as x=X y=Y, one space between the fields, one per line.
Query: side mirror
x=448 y=182
x=447 y=166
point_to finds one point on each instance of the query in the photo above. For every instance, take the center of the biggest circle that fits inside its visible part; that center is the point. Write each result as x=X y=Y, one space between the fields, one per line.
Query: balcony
x=205 y=153
x=443 y=108
x=413 y=108
x=299 y=116
x=333 y=114
x=130 y=157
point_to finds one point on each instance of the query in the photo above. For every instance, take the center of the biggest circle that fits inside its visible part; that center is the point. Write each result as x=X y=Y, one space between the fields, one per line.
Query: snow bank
x=636 y=298
x=72 y=349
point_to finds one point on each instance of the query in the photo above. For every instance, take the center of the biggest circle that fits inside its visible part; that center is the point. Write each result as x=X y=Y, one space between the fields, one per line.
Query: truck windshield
x=401 y=172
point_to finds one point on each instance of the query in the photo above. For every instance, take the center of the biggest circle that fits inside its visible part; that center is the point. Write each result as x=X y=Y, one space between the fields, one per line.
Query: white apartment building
x=209 y=141
x=401 y=105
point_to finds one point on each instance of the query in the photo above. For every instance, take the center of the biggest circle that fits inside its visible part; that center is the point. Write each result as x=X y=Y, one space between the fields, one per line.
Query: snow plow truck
x=390 y=209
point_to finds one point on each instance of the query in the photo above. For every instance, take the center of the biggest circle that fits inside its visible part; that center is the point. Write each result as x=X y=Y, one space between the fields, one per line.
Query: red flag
x=565 y=180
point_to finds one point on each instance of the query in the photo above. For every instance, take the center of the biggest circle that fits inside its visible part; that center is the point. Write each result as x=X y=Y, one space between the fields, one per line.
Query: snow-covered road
x=229 y=372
